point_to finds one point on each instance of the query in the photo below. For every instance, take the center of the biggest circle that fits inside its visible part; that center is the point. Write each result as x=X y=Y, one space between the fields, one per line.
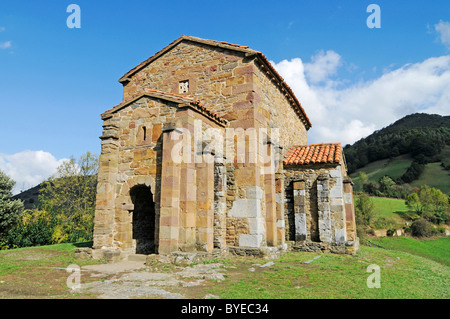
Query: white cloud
x=2 y=29
x=28 y=168
x=322 y=66
x=348 y=114
x=5 y=45
x=443 y=28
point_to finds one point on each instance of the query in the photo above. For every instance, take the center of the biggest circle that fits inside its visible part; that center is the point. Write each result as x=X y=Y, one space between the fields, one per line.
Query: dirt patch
x=126 y=280
x=28 y=255
x=33 y=282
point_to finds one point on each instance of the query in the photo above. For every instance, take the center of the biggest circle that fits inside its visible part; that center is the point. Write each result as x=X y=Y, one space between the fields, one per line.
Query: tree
x=386 y=185
x=413 y=203
x=365 y=209
x=430 y=203
x=363 y=178
x=10 y=210
x=70 y=195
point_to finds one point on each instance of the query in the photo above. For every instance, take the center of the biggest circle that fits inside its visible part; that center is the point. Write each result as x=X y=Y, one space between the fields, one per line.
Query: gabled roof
x=179 y=99
x=264 y=64
x=323 y=153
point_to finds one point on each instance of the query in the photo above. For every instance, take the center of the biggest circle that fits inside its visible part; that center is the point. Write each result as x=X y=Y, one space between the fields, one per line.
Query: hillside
x=30 y=197
x=413 y=150
x=433 y=175
x=420 y=135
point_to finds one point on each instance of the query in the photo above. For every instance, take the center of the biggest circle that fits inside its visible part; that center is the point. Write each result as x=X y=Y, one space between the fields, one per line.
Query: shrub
x=422 y=228
x=35 y=228
x=10 y=210
x=364 y=209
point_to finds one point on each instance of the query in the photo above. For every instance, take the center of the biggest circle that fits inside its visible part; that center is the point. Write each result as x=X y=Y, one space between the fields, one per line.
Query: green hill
x=433 y=174
x=393 y=168
x=413 y=150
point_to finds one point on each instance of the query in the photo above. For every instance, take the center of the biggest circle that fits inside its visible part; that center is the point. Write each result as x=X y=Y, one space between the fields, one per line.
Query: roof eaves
x=285 y=88
x=221 y=44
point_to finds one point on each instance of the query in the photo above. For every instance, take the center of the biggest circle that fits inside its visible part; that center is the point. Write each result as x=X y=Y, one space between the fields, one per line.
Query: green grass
x=410 y=269
x=393 y=168
x=434 y=176
x=22 y=259
x=390 y=207
x=436 y=249
x=403 y=275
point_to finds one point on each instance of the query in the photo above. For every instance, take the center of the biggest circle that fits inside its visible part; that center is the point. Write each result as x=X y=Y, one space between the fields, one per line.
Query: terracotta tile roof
x=313 y=154
x=265 y=65
x=180 y=99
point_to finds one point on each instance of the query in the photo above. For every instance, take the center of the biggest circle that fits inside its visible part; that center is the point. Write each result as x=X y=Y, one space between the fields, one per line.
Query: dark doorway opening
x=143 y=219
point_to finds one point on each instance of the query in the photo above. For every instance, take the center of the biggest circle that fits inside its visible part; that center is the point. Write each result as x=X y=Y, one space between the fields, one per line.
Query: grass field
x=435 y=249
x=393 y=168
x=422 y=273
x=434 y=176
x=403 y=275
x=392 y=209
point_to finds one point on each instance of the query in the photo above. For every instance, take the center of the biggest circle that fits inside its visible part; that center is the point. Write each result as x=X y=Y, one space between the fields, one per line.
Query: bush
x=422 y=228
x=10 y=210
x=364 y=210
x=35 y=228
x=385 y=223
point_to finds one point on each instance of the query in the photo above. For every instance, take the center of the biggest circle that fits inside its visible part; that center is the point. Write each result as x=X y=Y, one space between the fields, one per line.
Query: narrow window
x=183 y=86
x=144 y=129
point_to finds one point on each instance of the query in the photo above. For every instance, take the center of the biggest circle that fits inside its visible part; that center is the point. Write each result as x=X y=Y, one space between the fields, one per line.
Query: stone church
x=208 y=152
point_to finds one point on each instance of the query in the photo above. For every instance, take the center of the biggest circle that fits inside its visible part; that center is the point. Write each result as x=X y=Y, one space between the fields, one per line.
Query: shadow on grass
x=84 y=244
x=406 y=215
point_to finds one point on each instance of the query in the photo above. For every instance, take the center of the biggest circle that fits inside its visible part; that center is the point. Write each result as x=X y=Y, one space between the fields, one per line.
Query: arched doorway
x=143 y=219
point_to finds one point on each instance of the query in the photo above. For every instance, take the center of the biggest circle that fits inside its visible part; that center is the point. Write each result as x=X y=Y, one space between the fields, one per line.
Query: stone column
x=188 y=188
x=104 y=224
x=323 y=205
x=299 y=189
x=269 y=192
x=170 y=193
x=205 y=201
x=220 y=204
x=349 y=210
x=279 y=196
x=188 y=198
x=246 y=210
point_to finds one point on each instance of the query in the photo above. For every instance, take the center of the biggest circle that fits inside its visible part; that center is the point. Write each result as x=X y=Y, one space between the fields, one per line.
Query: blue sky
x=55 y=81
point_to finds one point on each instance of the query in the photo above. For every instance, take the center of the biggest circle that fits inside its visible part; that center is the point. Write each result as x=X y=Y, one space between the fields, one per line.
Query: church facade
x=208 y=151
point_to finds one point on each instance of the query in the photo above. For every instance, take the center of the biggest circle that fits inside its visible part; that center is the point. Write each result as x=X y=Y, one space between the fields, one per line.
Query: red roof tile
x=313 y=154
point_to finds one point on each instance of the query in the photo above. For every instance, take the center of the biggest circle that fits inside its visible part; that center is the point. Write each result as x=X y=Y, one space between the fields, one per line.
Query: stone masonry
x=205 y=129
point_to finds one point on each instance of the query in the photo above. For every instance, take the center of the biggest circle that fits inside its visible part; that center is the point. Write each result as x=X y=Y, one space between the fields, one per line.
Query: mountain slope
x=406 y=150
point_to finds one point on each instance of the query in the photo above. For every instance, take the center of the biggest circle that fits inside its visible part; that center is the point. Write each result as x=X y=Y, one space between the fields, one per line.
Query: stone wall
x=217 y=76
x=137 y=151
x=271 y=102
x=235 y=201
x=319 y=208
